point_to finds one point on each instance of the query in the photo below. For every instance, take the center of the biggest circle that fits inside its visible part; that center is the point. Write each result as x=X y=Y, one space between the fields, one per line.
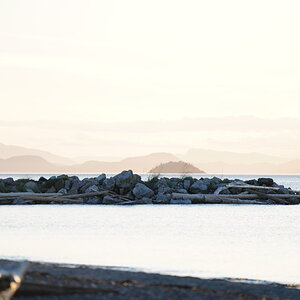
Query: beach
x=45 y=281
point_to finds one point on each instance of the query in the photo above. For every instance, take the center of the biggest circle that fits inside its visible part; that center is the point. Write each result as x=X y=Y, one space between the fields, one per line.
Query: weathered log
x=217 y=199
x=252 y=187
x=51 y=199
x=241 y=196
x=259 y=198
x=220 y=189
x=21 y=194
x=124 y=198
x=84 y=195
x=239 y=201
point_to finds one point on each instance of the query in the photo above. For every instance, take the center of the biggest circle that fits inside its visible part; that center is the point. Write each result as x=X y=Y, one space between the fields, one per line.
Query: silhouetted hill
x=27 y=164
x=140 y=164
x=7 y=151
x=180 y=167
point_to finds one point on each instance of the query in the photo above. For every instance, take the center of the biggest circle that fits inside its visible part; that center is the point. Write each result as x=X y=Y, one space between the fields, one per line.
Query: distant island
x=180 y=167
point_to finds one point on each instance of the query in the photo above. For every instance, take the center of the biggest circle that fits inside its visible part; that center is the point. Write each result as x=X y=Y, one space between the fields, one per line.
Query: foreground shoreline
x=49 y=281
x=128 y=188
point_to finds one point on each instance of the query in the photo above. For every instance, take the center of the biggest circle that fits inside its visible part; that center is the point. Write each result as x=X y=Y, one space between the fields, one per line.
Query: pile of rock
x=129 y=188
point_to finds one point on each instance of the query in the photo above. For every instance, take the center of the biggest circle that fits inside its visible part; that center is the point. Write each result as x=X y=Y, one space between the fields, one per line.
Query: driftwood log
x=84 y=195
x=51 y=199
x=11 y=275
x=21 y=194
x=7 y=198
x=256 y=187
x=239 y=198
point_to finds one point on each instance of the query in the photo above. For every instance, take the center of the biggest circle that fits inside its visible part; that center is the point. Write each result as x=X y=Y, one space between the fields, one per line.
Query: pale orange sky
x=74 y=62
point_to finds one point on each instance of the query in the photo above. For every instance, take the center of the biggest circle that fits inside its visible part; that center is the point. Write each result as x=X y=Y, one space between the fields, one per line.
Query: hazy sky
x=84 y=61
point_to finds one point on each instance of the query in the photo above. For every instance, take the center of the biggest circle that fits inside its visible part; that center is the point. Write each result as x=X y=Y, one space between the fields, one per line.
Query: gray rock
x=200 y=186
x=176 y=183
x=85 y=185
x=163 y=186
x=31 y=186
x=12 y=189
x=182 y=191
x=92 y=189
x=140 y=190
x=109 y=184
x=283 y=190
x=216 y=180
x=63 y=191
x=252 y=182
x=21 y=202
x=93 y=200
x=237 y=182
x=110 y=200
x=59 y=183
x=162 y=198
x=126 y=180
x=68 y=184
x=186 y=184
x=75 y=186
x=52 y=189
x=144 y=200
x=265 y=181
x=180 y=201
x=101 y=178
x=8 y=180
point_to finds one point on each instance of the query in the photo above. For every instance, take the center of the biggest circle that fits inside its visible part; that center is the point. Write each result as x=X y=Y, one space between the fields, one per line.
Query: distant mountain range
x=8 y=151
x=14 y=159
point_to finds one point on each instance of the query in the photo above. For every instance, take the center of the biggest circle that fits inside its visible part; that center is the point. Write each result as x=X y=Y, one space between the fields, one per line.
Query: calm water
x=256 y=242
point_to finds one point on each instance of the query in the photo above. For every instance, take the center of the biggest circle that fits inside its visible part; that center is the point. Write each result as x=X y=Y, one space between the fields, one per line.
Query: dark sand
x=47 y=281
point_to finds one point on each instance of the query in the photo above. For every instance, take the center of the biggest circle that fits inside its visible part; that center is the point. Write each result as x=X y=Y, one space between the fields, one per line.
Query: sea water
x=240 y=241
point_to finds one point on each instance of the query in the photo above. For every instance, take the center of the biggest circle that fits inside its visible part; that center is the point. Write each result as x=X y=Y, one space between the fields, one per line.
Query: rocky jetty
x=127 y=188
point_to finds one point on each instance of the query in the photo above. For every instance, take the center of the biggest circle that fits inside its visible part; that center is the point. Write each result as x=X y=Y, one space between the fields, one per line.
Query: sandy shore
x=47 y=281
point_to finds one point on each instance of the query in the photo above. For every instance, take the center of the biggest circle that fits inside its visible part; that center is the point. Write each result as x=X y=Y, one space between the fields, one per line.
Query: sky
x=68 y=67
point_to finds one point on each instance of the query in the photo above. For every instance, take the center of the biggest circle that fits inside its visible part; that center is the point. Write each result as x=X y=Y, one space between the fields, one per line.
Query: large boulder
x=8 y=180
x=200 y=186
x=126 y=181
x=109 y=183
x=75 y=184
x=162 y=198
x=186 y=183
x=163 y=186
x=31 y=186
x=92 y=189
x=265 y=181
x=101 y=178
x=140 y=191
